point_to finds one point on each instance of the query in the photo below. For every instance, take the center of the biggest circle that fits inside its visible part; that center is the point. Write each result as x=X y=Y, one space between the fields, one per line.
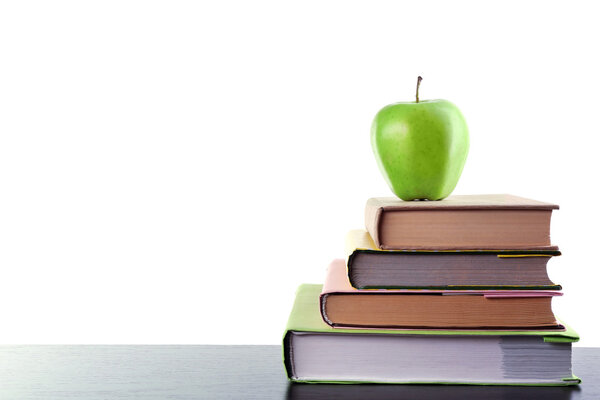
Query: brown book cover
x=344 y=306
x=471 y=222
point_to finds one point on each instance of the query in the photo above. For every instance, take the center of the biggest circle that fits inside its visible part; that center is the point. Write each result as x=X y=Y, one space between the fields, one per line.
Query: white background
x=170 y=172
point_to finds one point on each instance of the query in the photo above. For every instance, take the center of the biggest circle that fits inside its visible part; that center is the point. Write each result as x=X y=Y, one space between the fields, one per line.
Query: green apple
x=421 y=147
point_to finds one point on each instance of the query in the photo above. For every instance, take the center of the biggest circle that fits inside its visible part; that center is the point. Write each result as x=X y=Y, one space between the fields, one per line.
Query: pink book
x=344 y=306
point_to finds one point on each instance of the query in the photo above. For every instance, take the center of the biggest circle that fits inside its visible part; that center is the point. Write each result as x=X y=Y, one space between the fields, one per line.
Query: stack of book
x=451 y=291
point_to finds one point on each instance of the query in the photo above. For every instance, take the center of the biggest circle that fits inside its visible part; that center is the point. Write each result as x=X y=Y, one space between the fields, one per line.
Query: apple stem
x=419 y=79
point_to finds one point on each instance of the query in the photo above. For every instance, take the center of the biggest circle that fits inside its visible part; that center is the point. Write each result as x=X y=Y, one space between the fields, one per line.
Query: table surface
x=223 y=372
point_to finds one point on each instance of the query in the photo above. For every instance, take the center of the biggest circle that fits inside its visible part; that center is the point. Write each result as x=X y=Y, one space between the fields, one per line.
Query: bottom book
x=315 y=352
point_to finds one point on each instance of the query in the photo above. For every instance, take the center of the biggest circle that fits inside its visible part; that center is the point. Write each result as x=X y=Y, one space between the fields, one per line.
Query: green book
x=315 y=352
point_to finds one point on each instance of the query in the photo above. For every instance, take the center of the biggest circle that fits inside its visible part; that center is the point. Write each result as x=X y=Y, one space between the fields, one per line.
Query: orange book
x=344 y=306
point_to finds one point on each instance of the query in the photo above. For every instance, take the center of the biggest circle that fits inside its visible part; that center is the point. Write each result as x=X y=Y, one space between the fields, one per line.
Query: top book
x=473 y=222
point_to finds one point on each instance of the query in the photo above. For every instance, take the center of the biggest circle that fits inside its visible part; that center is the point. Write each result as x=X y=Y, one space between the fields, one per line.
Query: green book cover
x=306 y=317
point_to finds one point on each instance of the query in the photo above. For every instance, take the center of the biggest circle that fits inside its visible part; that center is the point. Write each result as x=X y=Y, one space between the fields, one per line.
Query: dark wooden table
x=223 y=372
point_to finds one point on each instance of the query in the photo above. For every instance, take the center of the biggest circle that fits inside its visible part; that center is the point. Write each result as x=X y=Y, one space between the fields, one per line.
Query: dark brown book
x=372 y=268
x=472 y=222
